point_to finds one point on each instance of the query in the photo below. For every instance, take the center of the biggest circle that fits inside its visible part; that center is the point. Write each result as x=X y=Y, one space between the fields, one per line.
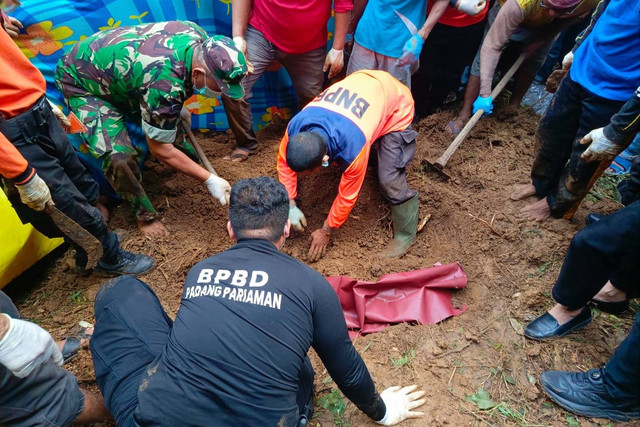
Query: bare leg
x=523 y=191
x=562 y=314
x=610 y=293
x=538 y=211
x=470 y=95
x=94 y=409
x=153 y=228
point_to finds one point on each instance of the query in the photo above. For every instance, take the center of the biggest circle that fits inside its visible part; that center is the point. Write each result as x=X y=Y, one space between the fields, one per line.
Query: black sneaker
x=584 y=393
x=126 y=263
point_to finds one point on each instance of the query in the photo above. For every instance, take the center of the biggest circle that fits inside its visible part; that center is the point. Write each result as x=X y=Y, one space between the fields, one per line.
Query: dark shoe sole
x=588 y=411
x=618 y=307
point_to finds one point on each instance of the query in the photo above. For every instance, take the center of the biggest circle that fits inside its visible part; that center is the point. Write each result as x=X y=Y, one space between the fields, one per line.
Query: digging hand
x=34 y=193
x=25 y=346
x=298 y=221
x=12 y=26
x=319 y=241
x=484 y=103
x=219 y=188
x=399 y=403
x=470 y=7
x=334 y=62
x=411 y=51
x=241 y=44
x=600 y=147
x=62 y=119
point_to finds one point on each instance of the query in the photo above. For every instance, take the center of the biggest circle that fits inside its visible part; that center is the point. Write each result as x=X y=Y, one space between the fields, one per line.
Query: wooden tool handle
x=601 y=168
x=199 y=150
x=442 y=161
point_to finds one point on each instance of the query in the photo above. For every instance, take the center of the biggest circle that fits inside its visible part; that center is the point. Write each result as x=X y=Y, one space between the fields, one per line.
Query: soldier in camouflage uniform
x=145 y=73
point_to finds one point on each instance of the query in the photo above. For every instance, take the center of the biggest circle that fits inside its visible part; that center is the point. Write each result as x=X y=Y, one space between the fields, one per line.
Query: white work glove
x=241 y=44
x=600 y=148
x=470 y=7
x=25 y=346
x=298 y=221
x=334 y=62
x=219 y=188
x=35 y=193
x=399 y=403
x=62 y=119
x=567 y=61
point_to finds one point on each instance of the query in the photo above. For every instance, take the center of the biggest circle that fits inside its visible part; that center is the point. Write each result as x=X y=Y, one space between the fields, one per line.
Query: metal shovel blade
x=77 y=234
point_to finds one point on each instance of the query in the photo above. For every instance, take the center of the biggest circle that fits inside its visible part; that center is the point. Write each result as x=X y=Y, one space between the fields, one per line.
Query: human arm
x=356 y=14
x=24 y=346
x=348 y=370
x=334 y=61
x=507 y=21
x=606 y=143
x=240 y=11
x=289 y=179
x=10 y=24
x=413 y=46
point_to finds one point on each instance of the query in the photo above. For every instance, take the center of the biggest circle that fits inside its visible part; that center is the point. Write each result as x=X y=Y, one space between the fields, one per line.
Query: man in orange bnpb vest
x=340 y=126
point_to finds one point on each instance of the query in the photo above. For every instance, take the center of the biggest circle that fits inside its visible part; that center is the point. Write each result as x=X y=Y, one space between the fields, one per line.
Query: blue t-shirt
x=381 y=30
x=607 y=63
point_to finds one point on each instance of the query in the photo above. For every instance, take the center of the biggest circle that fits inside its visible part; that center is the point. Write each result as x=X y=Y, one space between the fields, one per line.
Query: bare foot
x=153 y=228
x=103 y=210
x=610 y=293
x=538 y=211
x=456 y=125
x=562 y=314
x=523 y=192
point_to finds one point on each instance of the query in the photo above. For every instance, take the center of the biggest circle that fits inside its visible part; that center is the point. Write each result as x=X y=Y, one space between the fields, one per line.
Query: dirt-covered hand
x=319 y=241
x=12 y=26
x=399 y=403
x=334 y=62
x=297 y=218
x=34 y=193
x=241 y=44
x=484 y=103
x=600 y=147
x=25 y=346
x=219 y=188
x=411 y=51
x=62 y=119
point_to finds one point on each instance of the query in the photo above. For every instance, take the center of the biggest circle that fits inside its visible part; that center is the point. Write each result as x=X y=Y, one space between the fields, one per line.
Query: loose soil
x=511 y=265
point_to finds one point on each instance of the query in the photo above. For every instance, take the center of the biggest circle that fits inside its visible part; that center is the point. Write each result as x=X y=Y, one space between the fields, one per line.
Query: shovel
x=199 y=150
x=77 y=235
x=439 y=164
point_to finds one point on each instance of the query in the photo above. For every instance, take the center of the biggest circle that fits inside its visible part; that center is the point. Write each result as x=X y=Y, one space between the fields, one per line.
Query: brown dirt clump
x=511 y=265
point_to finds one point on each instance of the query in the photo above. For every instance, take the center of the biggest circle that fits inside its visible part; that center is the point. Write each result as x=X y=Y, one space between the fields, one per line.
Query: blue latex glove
x=411 y=51
x=482 y=103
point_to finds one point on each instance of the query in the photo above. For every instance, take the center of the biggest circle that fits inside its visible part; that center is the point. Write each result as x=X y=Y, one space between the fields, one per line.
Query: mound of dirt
x=511 y=265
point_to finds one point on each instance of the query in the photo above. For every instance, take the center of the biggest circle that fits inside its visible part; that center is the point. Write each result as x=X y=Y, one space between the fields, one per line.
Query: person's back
x=239 y=340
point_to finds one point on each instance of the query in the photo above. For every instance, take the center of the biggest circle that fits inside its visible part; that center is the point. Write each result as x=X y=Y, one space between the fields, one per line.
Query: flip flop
x=237 y=156
x=620 y=166
x=453 y=129
x=73 y=343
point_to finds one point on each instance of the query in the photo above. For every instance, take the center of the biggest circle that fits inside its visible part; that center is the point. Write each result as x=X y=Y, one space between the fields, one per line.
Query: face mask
x=325 y=162
x=205 y=91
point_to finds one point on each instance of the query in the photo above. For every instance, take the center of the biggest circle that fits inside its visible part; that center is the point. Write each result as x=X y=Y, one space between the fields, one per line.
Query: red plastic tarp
x=421 y=296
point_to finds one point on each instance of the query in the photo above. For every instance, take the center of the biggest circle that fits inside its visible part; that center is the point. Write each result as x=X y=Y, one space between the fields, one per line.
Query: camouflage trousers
x=107 y=139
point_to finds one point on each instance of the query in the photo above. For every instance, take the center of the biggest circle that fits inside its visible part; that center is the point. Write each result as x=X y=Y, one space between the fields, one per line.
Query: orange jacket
x=351 y=115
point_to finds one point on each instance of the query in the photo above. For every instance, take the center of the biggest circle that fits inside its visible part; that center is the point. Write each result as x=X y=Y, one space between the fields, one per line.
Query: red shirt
x=454 y=18
x=295 y=26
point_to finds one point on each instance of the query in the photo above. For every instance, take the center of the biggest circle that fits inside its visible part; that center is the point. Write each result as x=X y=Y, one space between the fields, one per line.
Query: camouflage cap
x=227 y=64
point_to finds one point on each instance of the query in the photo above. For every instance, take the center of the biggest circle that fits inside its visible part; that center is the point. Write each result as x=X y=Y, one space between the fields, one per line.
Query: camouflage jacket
x=144 y=71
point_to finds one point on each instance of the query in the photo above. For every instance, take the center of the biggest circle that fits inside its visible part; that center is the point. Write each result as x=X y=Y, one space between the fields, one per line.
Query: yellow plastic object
x=21 y=245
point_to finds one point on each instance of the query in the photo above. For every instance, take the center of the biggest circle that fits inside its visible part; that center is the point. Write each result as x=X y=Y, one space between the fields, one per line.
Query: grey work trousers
x=305 y=71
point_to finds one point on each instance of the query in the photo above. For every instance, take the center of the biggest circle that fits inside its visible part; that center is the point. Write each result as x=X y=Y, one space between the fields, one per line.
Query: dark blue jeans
x=131 y=331
x=622 y=372
x=608 y=249
x=572 y=113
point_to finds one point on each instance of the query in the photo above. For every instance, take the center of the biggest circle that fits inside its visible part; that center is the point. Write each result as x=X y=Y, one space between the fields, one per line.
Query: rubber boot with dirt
x=405 y=226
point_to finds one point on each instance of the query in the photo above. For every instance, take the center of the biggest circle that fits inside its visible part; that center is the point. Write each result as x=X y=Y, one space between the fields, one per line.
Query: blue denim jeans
x=622 y=372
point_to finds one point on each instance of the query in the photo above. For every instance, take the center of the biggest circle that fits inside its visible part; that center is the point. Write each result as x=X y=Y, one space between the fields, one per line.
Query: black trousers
x=608 y=249
x=40 y=139
x=572 y=113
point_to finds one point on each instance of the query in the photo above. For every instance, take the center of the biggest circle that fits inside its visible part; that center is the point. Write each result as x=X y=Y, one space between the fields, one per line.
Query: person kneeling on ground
x=237 y=351
x=39 y=166
x=607 y=253
x=369 y=108
x=35 y=391
x=609 y=392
